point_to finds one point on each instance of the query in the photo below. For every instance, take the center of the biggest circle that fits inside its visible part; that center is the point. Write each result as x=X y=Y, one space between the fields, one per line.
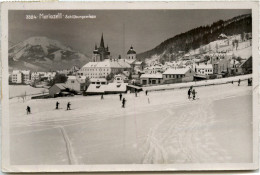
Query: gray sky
x=144 y=29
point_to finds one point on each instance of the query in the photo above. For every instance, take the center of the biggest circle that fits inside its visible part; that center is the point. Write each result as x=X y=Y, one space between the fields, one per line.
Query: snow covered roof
x=16 y=72
x=108 y=63
x=204 y=66
x=138 y=62
x=130 y=61
x=223 y=35
x=25 y=71
x=151 y=75
x=176 y=71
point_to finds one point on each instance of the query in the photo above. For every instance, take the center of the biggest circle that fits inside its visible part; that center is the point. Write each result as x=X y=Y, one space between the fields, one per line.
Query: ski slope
x=161 y=128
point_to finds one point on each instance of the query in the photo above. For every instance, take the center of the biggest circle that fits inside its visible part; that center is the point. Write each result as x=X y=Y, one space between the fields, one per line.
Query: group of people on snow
x=192 y=92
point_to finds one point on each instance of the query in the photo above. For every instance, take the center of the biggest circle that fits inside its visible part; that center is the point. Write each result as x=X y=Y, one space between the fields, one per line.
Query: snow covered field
x=19 y=90
x=163 y=127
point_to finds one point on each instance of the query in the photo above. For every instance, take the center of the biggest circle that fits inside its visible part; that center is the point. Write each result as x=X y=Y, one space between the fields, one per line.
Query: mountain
x=44 y=54
x=197 y=37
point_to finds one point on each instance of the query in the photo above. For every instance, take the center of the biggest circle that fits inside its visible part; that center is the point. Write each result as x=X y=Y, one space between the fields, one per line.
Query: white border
x=6 y=167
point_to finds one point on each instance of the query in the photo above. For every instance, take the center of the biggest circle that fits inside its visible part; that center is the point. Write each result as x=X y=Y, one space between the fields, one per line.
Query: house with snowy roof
x=203 y=69
x=111 y=88
x=151 y=79
x=57 y=88
x=178 y=75
x=76 y=83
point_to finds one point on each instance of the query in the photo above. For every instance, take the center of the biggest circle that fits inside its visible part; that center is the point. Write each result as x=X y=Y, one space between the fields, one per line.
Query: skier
x=68 y=106
x=57 y=105
x=123 y=103
x=249 y=82
x=102 y=97
x=189 y=92
x=194 y=94
x=120 y=96
x=232 y=82
x=28 y=109
x=239 y=82
x=146 y=92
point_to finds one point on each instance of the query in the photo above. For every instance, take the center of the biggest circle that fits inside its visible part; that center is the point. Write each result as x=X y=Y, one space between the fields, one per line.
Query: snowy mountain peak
x=44 y=53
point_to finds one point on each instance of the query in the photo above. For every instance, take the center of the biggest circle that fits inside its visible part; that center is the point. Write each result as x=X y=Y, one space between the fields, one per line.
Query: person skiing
x=146 y=92
x=194 y=94
x=102 y=97
x=239 y=82
x=120 y=96
x=189 y=92
x=57 y=105
x=123 y=103
x=68 y=106
x=28 y=109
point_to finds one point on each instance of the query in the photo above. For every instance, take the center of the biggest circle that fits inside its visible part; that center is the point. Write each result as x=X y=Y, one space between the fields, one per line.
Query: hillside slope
x=202 y=35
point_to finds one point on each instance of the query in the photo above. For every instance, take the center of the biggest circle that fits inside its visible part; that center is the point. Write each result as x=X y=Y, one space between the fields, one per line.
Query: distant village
x=108 y=75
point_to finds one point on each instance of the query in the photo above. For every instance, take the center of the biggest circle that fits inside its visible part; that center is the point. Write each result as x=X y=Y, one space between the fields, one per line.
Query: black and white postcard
x=119 y=86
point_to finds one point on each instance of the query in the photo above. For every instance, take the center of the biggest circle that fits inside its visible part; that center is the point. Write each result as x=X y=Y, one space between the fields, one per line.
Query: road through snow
x=169 y=129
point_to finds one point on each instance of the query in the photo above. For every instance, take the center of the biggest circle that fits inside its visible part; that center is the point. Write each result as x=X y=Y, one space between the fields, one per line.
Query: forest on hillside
x=199 y=36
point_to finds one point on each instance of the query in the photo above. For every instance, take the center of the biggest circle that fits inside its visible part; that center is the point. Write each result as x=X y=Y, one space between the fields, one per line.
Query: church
x=101 y=53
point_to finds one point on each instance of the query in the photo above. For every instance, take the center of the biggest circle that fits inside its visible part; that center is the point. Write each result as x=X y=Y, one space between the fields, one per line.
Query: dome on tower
x=131 y=50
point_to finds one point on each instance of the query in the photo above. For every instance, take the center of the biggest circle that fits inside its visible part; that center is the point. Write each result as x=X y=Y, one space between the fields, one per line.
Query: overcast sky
x=144 y=29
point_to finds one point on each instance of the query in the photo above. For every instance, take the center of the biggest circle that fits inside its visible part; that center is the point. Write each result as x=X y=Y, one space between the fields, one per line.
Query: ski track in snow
x=69 y=149
x=195 y=143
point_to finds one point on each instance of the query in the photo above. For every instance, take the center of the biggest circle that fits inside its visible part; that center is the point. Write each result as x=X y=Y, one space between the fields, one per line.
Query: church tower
x=101 y=53
x=131 y=54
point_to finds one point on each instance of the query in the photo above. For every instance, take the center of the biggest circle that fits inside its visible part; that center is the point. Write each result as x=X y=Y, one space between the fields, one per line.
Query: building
x=151 y=79
x=103 y=69
x=204 y=69
x=221 y=66
x=35 y=76
x=26 y=76
x=21 y=77
x=57 y=88
x=178 y=75
x=17 y=77
x=246 y=66
x=76 y=83
x=101 y=53
x=111 y=88
x=131 y=54
x=154 y=69
x=120 y=78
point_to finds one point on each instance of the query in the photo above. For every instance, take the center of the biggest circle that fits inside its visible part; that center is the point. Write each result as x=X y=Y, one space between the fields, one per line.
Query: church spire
x=102 y=44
